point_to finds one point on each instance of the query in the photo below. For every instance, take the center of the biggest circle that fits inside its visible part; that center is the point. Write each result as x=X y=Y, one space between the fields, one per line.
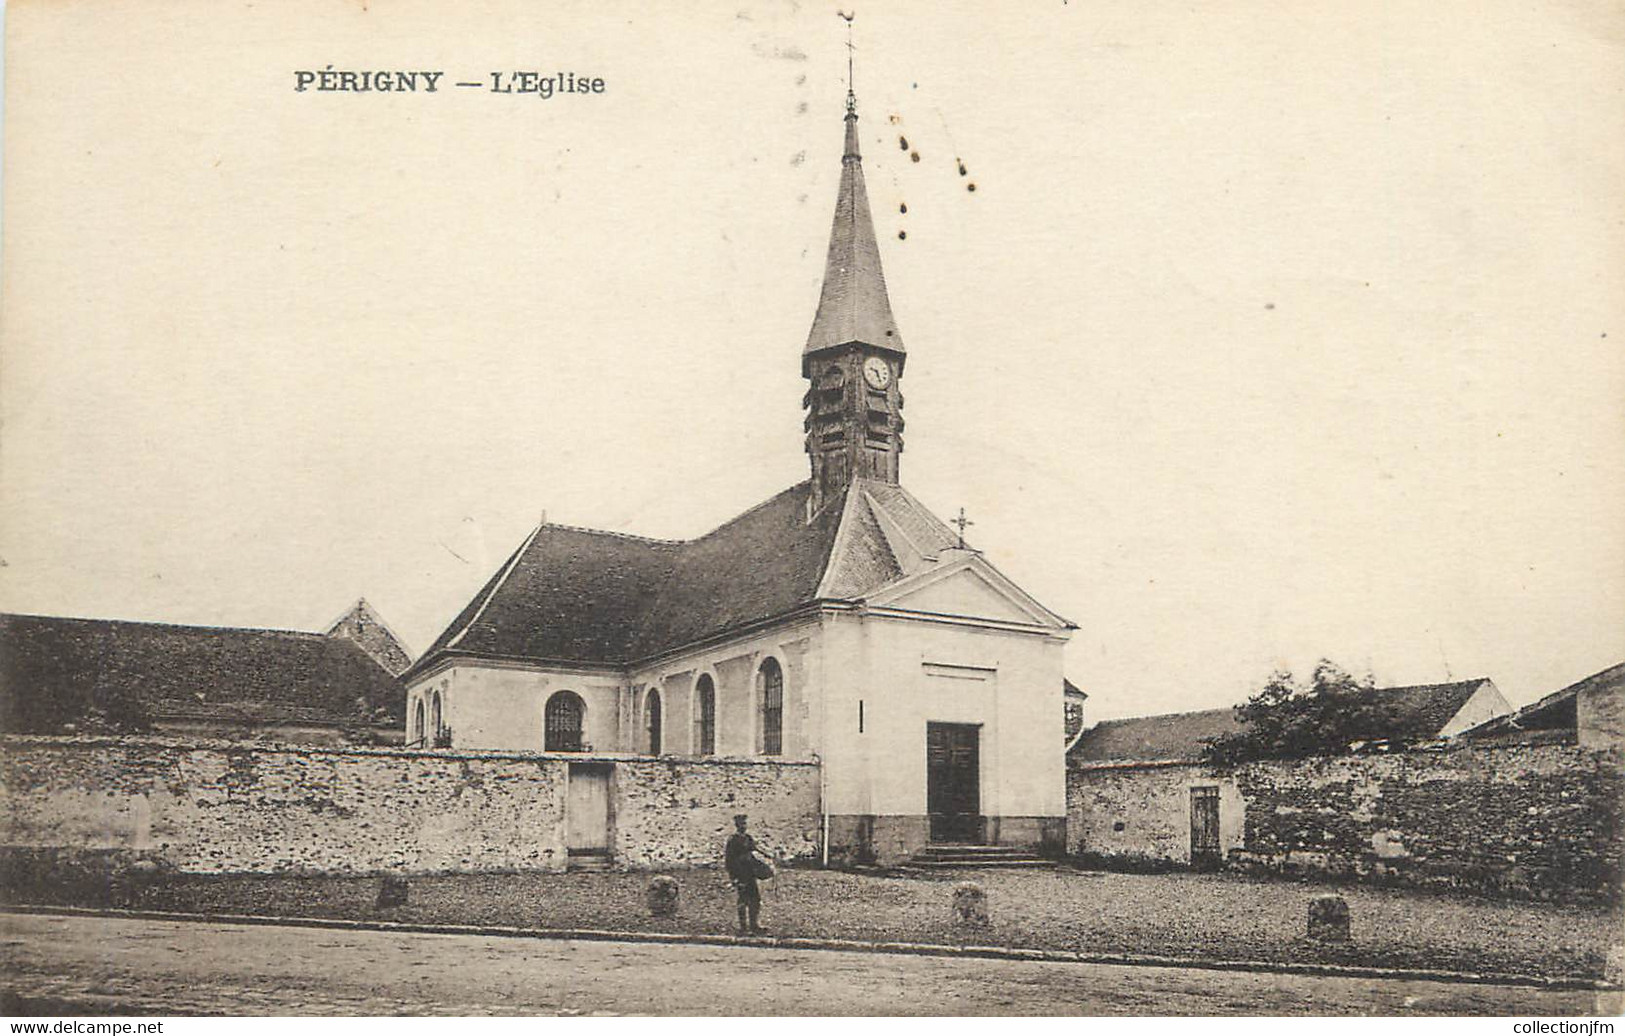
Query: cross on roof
x=962 y=522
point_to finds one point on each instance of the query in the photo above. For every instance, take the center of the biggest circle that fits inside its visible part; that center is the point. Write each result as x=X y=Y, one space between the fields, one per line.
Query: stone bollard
x=663 y=895
x=392 y=891
x=1329 y=919
x=128 y=887
x=144 y=870
x=970 y=904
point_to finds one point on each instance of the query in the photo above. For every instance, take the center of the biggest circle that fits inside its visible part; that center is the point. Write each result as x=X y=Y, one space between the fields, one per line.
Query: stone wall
x=678 y=812
x=1534 y=820
x=1140 y=815
x=1599 y=716
x=215 y=807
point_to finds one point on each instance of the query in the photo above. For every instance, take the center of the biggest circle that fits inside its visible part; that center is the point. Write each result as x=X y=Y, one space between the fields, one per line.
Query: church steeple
x=853 y=306
x=854 y=353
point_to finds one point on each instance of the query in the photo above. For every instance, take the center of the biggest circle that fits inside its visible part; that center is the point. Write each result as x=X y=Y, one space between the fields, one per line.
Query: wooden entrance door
x=953 y=781
x=1205 y=852
x=586 y=810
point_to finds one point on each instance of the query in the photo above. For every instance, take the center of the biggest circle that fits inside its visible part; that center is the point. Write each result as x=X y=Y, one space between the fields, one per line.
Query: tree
x=1289 y=720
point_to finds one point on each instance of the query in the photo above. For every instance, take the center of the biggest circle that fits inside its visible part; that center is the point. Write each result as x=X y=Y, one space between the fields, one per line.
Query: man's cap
x=740 y=816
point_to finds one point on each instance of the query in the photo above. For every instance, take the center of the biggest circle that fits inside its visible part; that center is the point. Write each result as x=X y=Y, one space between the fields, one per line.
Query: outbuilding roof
x=1555 y=715
x=1171 y=737
x=1410 y=713
x=1419 y=711
x=58 y=670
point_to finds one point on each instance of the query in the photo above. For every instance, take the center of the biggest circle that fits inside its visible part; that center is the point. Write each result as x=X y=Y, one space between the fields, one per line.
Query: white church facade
x=839 y=622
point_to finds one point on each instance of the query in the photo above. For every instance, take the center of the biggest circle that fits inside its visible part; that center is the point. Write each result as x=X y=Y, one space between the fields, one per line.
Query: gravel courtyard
x=1211 y=916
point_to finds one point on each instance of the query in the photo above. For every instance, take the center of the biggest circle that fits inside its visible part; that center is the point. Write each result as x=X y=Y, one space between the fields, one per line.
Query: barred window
x=564 y=718
x=770 y=678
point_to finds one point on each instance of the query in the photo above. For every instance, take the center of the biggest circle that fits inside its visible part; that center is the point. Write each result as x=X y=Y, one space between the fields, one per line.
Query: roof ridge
x=679 y=542
x=611 y=532
x=838 y=542
x=742 y=515
x=931 y=516
x=1415 y=686
x=163 y=623
x=889 y=526
x=1164 y=715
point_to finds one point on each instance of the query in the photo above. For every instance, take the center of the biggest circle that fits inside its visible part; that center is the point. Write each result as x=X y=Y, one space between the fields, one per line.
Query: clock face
x=876 y=372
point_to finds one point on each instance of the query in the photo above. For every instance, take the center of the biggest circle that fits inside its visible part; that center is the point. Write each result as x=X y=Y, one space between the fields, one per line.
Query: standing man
x=740 y=857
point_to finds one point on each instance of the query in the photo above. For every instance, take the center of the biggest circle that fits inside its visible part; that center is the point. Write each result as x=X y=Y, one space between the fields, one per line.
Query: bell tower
x=854 y=355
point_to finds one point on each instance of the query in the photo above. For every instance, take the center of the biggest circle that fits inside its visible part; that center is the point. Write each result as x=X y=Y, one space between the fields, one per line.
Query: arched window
x=415 y=735
x=651 y=711
x=563 y=721
x=435 y=725
x=705 y=716
x=770 y=681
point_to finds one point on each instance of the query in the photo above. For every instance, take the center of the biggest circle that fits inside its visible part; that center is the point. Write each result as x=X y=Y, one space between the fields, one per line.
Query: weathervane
x=961 y=521
x=851 y=98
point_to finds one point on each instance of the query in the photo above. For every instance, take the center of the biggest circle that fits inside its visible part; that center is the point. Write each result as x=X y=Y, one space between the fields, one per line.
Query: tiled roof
x=577 y=595
x=1407 y=714
x=566 y=593
x=57 y=670
x=1419 y=711
x=853 y=305
x=582 y=595
x=366 y=627
x=885 y=534
x=1173 y=737
x=764 y=563
x=1554 y=712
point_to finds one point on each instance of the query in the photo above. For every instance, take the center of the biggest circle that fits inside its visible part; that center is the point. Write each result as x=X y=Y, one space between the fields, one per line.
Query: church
x=839 y=622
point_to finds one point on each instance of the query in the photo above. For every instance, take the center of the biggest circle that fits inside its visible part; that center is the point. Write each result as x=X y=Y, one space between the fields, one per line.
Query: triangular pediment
x=964 y=585
x=965 y=593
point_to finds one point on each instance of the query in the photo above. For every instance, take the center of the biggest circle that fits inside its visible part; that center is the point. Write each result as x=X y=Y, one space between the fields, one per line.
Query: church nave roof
x=587 y=596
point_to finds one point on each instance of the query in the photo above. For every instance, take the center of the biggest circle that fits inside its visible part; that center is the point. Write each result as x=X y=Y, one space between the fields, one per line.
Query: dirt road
x=79 y=965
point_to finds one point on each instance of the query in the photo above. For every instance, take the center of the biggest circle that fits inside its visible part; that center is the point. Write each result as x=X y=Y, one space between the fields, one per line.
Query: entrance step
x=943 y=856
x=589 y=860
x=1035 y=863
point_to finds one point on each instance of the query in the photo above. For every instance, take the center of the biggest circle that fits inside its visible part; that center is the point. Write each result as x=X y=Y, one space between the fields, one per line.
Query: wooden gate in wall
x=1205 y=851
x=586 y=815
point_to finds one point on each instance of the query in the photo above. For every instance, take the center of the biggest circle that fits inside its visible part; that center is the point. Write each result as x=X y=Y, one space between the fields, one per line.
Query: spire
x=853 y=306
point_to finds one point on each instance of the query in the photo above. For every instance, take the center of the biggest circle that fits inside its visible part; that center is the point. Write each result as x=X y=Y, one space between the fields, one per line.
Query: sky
x=1266 y=334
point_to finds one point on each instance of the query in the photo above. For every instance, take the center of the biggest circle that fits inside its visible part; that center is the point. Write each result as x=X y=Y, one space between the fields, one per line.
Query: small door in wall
x=586 y=812
x=1205 y=851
